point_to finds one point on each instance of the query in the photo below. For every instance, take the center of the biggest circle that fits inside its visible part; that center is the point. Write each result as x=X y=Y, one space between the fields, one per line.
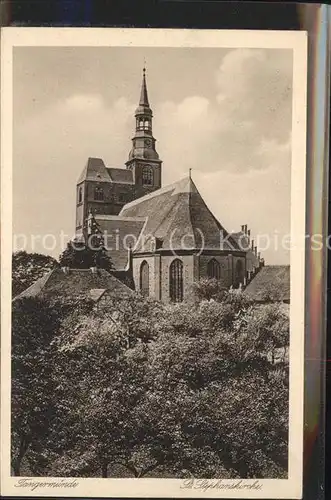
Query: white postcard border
x=98 y=37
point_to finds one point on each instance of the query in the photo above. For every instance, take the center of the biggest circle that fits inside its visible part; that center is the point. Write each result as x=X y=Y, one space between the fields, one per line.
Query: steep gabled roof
x=178 y=217
x=120 y=234
x=95 y=170
x=272 y=283
x=76 y=282
x=120 y=175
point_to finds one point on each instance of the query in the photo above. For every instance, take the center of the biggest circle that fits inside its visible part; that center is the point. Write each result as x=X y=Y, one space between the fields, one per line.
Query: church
x=161 y=239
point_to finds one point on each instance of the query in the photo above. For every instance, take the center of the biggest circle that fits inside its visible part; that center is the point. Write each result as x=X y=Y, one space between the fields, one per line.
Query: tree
x=34 y=324
x=28 y=268
x=35 y=394
x=82 y=256
x=208 y=289
x=165 y=391
x=171 y=401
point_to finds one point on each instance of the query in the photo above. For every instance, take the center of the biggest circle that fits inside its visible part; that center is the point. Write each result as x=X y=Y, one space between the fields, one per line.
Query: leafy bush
x=149 y=389
x=28 y=268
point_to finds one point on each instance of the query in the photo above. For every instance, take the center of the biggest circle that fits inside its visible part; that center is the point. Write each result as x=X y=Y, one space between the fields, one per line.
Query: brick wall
x=225 y=262
x=194 y=268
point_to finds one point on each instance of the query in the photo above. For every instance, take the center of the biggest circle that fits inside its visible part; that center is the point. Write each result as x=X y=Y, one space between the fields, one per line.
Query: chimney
x=259 y=255
x=242 y=229
x=245 y=228
x=252 y=246
x=65 y=269
x=255 y=251
x=249 y=233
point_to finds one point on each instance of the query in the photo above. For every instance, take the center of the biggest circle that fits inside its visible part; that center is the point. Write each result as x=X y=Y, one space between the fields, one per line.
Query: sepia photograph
x=155 y=190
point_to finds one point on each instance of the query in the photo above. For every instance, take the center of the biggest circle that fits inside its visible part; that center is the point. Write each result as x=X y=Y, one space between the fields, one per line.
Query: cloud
x=81 y=102
x=251 y=110
x=236 y=140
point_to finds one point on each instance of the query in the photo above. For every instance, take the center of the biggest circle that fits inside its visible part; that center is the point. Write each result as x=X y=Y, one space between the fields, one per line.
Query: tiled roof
x=178 y=216
x=120 y=175
x=76 y=282
x=272 y=283
x=95 y=170
x=120 y=233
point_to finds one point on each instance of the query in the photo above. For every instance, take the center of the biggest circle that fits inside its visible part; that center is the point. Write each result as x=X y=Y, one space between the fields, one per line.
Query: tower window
x=141 y=125
x=98 y=193
x=144 y=279
x=176 y=281
x=80 y=195
x=214 y=269
x=148 y=176
x=146 y=126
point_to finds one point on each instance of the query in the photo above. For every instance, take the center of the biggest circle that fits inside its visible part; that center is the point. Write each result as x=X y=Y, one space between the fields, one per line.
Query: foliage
x=83 y=256
x=36 y=324
x=208 y=289
x=144 y=389
x=28 y=268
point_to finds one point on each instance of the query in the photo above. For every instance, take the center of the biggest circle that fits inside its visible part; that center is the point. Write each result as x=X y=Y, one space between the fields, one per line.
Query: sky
x=224 y=113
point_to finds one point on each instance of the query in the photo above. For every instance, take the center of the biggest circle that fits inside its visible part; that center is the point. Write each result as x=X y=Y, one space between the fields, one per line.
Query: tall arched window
x=176 y=281
x=98 y=193
x=214 y=269
x=80 y=195
x=239 y=273
x=147 y=176
x=144 y=278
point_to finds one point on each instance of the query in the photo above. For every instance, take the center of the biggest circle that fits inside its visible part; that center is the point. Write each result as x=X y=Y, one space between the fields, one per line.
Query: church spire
x=143 y=94
x=143 y=143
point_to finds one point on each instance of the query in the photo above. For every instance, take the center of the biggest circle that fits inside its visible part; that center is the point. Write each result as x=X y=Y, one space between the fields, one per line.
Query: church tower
x=143 y=159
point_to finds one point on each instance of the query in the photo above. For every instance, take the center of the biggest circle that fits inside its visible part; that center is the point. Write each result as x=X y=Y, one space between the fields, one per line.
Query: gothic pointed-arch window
x=144 y=278
x=176 y=281
x=98 y=193
x=148 y=176
x=214 y=269
x=239 y=273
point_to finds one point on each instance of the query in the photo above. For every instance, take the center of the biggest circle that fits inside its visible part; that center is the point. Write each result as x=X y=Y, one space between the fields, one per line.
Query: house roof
x=96 y=170
x=120 y=234
x=271 y=283
x=76 y=282
x=177 y=216
x=120 y=175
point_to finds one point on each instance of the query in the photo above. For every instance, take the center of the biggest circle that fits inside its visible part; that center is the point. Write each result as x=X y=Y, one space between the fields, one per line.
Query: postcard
x=152 y=262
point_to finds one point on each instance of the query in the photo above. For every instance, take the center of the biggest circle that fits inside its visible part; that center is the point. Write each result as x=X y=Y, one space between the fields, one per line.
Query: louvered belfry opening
x=147 y=176
x=176 y=281
x=214 y=269
x=144 y=279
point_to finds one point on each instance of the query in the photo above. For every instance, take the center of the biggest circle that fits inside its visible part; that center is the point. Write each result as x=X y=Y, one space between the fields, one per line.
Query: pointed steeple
x=143 y=108
x=143 y=94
